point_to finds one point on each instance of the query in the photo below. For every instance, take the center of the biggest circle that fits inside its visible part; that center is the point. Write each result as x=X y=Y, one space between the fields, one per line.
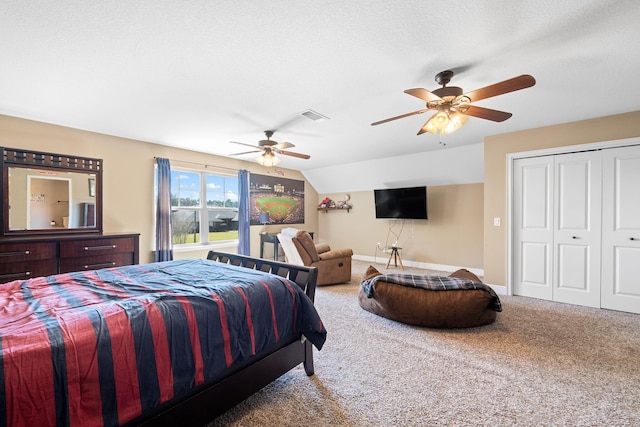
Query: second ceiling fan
x=453 y=106
x=269 y=149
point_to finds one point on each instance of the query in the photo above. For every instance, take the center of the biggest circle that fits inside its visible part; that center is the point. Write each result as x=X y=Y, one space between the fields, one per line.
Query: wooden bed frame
x=209 y=401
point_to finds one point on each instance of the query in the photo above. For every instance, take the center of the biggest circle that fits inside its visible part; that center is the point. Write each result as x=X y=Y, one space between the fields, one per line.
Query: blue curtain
x=164 y=250
x=244 y=248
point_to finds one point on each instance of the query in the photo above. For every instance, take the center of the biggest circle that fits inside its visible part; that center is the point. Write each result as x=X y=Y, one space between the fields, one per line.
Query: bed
x=161 y=344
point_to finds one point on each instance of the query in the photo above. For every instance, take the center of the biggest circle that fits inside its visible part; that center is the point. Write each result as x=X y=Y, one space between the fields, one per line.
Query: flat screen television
x=401 y=203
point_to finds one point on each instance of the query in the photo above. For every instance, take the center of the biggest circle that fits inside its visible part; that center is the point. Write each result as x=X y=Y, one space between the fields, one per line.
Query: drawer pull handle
x=633 y=238
x=12 y=275
x=97 y=266
x=99 y=248
x=27 y=252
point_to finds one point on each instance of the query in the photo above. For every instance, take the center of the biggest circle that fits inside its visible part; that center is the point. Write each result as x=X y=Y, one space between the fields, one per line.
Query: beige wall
x=452 y=236
x=458 y=232
x=496 y=149
x=129 y=175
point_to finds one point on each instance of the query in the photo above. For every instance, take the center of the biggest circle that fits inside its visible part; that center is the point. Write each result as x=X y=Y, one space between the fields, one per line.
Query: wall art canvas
x=281 y=198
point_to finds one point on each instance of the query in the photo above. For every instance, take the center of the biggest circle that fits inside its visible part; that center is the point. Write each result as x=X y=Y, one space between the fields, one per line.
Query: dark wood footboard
x=208 y=402
x=305 y=277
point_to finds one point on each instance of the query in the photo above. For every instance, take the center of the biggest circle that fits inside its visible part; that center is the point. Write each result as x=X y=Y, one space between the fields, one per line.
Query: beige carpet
x=540 y=364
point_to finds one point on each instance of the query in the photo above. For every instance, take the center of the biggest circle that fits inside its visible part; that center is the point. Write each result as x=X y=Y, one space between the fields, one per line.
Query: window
x=204 y=207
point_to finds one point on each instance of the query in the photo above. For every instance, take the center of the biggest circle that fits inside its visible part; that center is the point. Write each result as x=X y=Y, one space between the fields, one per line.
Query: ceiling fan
x=453 y=106
x=269 y=149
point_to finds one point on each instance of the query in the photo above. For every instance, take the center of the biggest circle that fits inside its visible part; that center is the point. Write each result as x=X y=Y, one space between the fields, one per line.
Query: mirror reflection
x=47 y=199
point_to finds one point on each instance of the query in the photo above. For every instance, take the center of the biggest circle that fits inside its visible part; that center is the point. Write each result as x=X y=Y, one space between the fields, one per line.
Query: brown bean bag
x=459 y=308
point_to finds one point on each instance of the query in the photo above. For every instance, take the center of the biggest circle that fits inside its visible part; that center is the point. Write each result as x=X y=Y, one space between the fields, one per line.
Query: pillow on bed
x=460 y=308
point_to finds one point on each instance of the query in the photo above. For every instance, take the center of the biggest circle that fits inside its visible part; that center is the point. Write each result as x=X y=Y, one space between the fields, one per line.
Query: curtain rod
x=199 y=164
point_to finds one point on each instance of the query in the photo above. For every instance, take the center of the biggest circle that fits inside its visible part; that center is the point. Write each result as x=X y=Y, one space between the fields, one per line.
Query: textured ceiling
x=201 y=73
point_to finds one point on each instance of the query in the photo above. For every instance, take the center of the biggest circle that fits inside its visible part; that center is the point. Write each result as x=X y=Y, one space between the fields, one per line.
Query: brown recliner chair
x=334 y=266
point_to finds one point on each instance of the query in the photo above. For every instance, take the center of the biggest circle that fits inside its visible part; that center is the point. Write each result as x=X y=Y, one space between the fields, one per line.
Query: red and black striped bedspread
x=102 y=347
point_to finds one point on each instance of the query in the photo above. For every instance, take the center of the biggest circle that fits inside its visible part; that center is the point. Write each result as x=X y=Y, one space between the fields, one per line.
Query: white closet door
x=577 y=224
x=533 y=227
x=621 y=229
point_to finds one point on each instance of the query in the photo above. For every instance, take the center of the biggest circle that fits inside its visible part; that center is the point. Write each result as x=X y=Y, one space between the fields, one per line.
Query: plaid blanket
x=432 y=283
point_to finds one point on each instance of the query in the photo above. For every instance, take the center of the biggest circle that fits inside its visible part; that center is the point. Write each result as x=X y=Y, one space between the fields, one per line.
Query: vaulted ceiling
x=201 y=73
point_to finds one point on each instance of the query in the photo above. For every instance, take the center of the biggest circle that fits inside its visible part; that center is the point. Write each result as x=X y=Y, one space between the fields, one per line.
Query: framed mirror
x=47 y=193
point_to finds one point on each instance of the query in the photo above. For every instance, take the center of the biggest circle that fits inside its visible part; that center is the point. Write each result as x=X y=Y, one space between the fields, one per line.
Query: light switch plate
x=496 y=222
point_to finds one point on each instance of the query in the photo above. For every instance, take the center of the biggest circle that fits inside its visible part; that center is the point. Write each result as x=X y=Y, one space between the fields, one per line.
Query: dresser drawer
x=94 y=247
x=24 y=258
x=95 y=262
x=24 y=252
x=23 y=270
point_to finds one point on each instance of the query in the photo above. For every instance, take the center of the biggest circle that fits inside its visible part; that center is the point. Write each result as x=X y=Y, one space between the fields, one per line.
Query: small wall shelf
x=334 y=209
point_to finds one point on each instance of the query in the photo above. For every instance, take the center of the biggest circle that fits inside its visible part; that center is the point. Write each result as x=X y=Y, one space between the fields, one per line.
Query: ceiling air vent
x=314 y=115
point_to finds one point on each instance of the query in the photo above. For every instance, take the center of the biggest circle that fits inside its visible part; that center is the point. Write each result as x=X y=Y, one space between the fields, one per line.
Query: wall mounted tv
x=401 y=203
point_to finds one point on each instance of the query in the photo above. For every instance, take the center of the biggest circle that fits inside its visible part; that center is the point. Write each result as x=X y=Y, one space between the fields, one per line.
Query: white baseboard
x=499 y=289
x=442 y=267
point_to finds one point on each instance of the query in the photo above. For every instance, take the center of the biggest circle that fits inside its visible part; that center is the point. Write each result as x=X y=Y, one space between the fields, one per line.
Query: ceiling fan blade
x=423 y=94
x=511 y=85
x=292 y=154
x=400 y=117
x=487 y=113
x=245 y=152
x=247 y=145
x=281 y=145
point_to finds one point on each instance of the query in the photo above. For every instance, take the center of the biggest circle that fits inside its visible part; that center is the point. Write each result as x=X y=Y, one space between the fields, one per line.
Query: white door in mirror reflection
x=48 y=203
x=59 y=197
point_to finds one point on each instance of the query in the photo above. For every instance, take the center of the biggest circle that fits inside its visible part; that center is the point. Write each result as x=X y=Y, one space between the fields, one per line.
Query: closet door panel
x=533 y=227
x=577 y=214
x=573 y=271
x=621 y=229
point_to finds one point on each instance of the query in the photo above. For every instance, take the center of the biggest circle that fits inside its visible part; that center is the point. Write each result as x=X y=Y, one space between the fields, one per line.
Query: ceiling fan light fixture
x=268 y=160
x=437 y=123
x=445 y=121
x=456 y=121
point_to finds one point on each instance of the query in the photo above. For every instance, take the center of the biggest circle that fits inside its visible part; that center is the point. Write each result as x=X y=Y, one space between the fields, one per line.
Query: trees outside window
x=204 y=207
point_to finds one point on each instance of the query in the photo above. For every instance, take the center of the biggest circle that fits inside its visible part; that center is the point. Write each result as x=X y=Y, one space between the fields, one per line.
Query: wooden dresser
x=26 y=257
